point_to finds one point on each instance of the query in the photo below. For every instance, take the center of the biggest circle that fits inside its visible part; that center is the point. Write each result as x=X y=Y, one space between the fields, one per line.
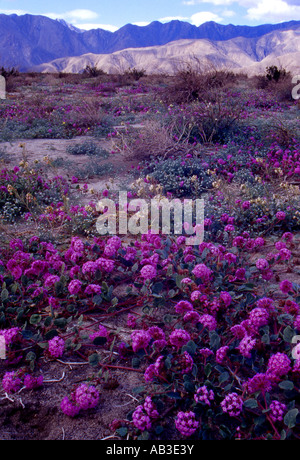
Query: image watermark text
x=140 y=216
x=2 y=87
x=2 y=347
x=296 y=88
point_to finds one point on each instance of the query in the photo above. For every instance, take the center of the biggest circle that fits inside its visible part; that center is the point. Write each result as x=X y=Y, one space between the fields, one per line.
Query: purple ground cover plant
x=209 y=329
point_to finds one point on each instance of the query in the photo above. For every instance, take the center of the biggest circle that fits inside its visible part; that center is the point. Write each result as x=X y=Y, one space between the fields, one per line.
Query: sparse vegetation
x=144 y=336
x=92 y=71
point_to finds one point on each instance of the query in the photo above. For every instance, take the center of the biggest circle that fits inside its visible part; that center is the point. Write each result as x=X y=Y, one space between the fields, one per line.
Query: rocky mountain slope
x=249 y=55
x=28 y=40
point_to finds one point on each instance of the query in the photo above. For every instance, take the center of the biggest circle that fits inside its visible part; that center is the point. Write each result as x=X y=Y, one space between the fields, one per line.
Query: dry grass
x=194 y=82
x=153 y=140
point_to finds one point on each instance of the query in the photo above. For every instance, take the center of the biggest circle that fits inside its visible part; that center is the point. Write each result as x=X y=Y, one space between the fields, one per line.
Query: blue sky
x=113 y=14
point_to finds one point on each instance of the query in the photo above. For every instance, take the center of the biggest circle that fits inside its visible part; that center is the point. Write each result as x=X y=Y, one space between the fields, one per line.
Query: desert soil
x=36 y=414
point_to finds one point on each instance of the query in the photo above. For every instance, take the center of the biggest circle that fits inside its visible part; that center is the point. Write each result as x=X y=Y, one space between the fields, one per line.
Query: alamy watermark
x=296 y=349
x=296 y=88
x=2 y=347
x=2 y=87
x=156 y=216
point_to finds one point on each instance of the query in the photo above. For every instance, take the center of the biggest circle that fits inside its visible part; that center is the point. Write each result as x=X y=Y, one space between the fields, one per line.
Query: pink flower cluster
x=148 y=272
x=186 y=423
x=278 y=410
x=232 y=404
x=141 y=419
x=140 y=340
x=259 y=317
x=56 y=347
x=246 y=345
x=84 y=397
x=186 y=362
x=179 y=338
x=208 y=321
x=279 y=365
x=204 y=395
x=10 y=335
x=12 y=381
x=203 y=272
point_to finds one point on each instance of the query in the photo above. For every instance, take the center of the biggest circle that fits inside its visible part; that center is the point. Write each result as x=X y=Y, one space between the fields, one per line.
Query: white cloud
x=214 y=2
x=18 y=12
x=90 y=26
x=74 y=15
x=244 y=3
x=228 y=13
x=141 y=23
x=204 y=16
x=257 y=10
x=277 y=10
x=81 y=14
x=173 y=18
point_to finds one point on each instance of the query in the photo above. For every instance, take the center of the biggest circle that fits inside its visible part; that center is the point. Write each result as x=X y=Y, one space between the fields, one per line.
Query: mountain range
x=30 y=42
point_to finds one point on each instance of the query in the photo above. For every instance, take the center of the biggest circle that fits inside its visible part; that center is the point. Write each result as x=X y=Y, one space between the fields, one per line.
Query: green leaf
x=30 y=356
x=225 y=432
x=286 y=385
x=144 y=436
x=159 y=429
x=48 y=321
x=266 y=339
x=136 y=362
x=290 y=418
x=172 y=293
x=207 y=369
x=50 y=334
x=157 y=288
x=190 y=347
x=214 y=340
x=35 y=319
x=223 y=377
x=60 y=322
x=59 y=288
x=4 y=294
x=168 y=318
x=283 y=435
x=97 y=300
x=94 y=359
x=20 y=314
x=135 y=267
x=288 y=334
x=179 y=278
x=104 y=286
x=122 y=431
x=250 y=403
x=189 y=386
x=100 y=341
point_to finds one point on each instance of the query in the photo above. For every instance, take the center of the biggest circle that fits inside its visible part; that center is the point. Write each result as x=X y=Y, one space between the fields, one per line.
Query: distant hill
x=28 y=41
x=248 y=55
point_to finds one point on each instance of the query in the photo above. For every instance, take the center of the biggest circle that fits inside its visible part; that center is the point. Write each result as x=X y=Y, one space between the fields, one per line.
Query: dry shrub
x=13 y=83
x=153 y=140
x=282 y=89
x=71 y=78
x=276 y=81
x=51 y=79
x=192 y=82
x=283 y=132
x=89 y=113
x=92 y=72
